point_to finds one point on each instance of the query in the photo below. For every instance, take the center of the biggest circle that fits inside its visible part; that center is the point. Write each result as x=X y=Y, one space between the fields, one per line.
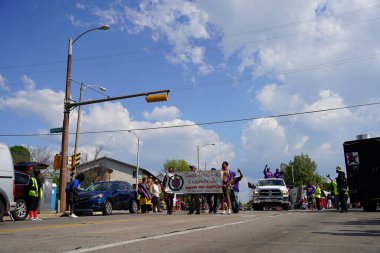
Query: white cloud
x=264 y=142
x=178 y=22
x=4 y=83
x=163 y=113
x=80 y=5
x=29 y=83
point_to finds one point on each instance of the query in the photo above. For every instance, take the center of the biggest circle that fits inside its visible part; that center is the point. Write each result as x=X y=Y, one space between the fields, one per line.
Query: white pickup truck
x=270 y=193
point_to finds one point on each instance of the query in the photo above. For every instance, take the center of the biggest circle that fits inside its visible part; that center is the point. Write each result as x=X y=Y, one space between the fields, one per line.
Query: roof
x=22 y=166
x=105 y=158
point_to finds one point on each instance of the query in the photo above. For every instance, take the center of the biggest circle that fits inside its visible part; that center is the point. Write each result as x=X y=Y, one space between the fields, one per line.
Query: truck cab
x=362 y=158
x=270 y=193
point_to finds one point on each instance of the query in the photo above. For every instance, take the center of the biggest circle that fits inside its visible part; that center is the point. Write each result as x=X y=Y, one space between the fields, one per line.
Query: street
x=261 y=231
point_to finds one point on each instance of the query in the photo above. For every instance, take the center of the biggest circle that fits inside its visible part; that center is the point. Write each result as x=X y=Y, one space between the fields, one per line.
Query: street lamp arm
x=104 y=27
x=115 y=98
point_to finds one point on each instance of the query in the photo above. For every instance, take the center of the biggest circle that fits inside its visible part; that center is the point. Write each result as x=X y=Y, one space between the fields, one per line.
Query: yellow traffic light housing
x=57 y=162
x=75 y=159
x=157 y=97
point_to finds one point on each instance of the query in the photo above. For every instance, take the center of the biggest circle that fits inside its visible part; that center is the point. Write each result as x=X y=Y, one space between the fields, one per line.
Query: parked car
x=106 y=197
x=20 y=195
x=6 y=181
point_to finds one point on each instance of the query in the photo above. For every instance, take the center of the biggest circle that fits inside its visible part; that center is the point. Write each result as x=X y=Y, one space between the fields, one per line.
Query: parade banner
x=191 y=182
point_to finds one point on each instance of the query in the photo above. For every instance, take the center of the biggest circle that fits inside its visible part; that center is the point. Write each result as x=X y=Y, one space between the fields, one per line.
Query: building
x=108 y=169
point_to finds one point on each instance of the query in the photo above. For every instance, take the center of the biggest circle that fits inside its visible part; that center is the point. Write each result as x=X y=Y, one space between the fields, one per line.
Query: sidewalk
x=44 y=215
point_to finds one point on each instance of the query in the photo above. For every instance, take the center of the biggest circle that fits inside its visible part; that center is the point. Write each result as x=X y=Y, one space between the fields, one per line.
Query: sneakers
x=32 y=218
x=73 y=216
x=229 y=211
x=223 y=212
x=37 y=219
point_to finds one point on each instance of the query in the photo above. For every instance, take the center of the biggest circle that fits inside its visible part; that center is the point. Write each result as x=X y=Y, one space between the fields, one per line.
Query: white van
x=6 y=181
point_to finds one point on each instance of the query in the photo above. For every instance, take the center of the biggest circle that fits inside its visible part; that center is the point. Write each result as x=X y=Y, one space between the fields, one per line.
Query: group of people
x=269 y=174
x=338 y=195
x=227 y=201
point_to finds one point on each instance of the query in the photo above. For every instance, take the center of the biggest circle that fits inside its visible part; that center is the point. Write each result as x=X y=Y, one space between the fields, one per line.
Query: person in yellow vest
x=34 y=193
x=317 y=195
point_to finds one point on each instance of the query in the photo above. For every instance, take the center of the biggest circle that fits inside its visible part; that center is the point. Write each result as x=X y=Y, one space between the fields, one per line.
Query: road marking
x=188 y=231
x=83 y=223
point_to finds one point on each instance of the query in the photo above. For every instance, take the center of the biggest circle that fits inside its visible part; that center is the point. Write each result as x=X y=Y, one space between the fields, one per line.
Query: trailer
x=362 y=158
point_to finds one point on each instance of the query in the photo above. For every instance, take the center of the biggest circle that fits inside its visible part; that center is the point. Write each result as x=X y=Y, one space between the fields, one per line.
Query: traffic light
x=157 y=97
x=57 y=162
x=76 y=159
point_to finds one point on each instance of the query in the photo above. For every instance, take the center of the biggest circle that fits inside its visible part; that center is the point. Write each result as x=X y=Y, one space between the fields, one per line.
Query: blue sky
x=223 y=60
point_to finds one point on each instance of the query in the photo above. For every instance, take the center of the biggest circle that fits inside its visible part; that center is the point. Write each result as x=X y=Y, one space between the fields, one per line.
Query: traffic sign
x=56 y=130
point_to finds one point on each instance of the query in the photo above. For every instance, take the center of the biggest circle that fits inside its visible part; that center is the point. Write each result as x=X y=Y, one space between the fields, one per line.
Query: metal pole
x=78 y=126
x=293 y=175
x=198 y=156
x=138 y=162
x=65 y=132
x=138 y=158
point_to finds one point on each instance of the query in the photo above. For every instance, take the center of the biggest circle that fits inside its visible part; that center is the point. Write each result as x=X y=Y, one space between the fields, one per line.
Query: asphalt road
x=262 y=231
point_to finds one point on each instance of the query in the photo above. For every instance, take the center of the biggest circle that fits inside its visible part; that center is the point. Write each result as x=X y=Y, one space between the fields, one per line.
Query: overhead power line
x=263 y=29
x=202 y=123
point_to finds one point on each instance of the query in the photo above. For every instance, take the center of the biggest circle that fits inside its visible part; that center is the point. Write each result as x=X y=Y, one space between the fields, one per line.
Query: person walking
x=156 y=196
x=227 y=181
x=235 y=191
x=318 y=195
x=310 y=190
x=194 y=202
x=168 y=196
x=146 y=197
x=72 y=191
x=342 y=189
x=34 y=193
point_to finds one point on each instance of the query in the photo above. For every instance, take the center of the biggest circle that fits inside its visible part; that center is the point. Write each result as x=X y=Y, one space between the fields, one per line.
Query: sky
x=242 y=75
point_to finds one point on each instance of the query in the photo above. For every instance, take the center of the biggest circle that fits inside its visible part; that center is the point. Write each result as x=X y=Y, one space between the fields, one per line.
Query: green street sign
x=56 y=130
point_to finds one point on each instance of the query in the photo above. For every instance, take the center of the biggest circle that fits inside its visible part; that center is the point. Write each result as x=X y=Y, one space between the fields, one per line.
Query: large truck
x=362 y=158
x=270 y=193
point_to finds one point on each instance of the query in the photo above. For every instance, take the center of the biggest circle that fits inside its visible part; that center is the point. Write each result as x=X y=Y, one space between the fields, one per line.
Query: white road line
x=121 y=243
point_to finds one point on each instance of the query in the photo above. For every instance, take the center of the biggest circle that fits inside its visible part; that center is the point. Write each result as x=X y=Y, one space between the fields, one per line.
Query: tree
x=178 y=165
x=304 y=169
x=20 y=154
x=41 y=155
x=85 y=157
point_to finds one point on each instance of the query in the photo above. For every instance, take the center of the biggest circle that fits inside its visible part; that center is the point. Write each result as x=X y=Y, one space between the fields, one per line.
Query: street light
x=82 y=88
x=199 y=147
x=66 y=115
x=138 y=157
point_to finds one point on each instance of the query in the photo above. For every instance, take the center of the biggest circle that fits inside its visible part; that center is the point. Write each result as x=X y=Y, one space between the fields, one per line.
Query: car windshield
x=271 y=182
x=99 y=187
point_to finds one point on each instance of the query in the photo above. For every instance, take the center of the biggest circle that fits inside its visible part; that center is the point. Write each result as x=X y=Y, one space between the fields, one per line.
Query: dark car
x=106 y=197
x=20 y=195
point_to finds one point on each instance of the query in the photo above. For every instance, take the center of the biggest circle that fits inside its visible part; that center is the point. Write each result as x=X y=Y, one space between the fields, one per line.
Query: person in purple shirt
x=235 y=191
x=310 y=190
x=267 y=172
x=279 y=174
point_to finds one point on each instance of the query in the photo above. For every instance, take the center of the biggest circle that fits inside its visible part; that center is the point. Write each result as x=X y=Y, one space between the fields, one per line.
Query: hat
x=338 y=168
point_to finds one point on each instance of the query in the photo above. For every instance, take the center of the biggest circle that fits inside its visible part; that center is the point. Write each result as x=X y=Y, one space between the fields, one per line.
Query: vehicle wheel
x=107 y=210
x=2 y=211
x=133 y=207
x=369 y=206
x=21 y=211
x=285 y=207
